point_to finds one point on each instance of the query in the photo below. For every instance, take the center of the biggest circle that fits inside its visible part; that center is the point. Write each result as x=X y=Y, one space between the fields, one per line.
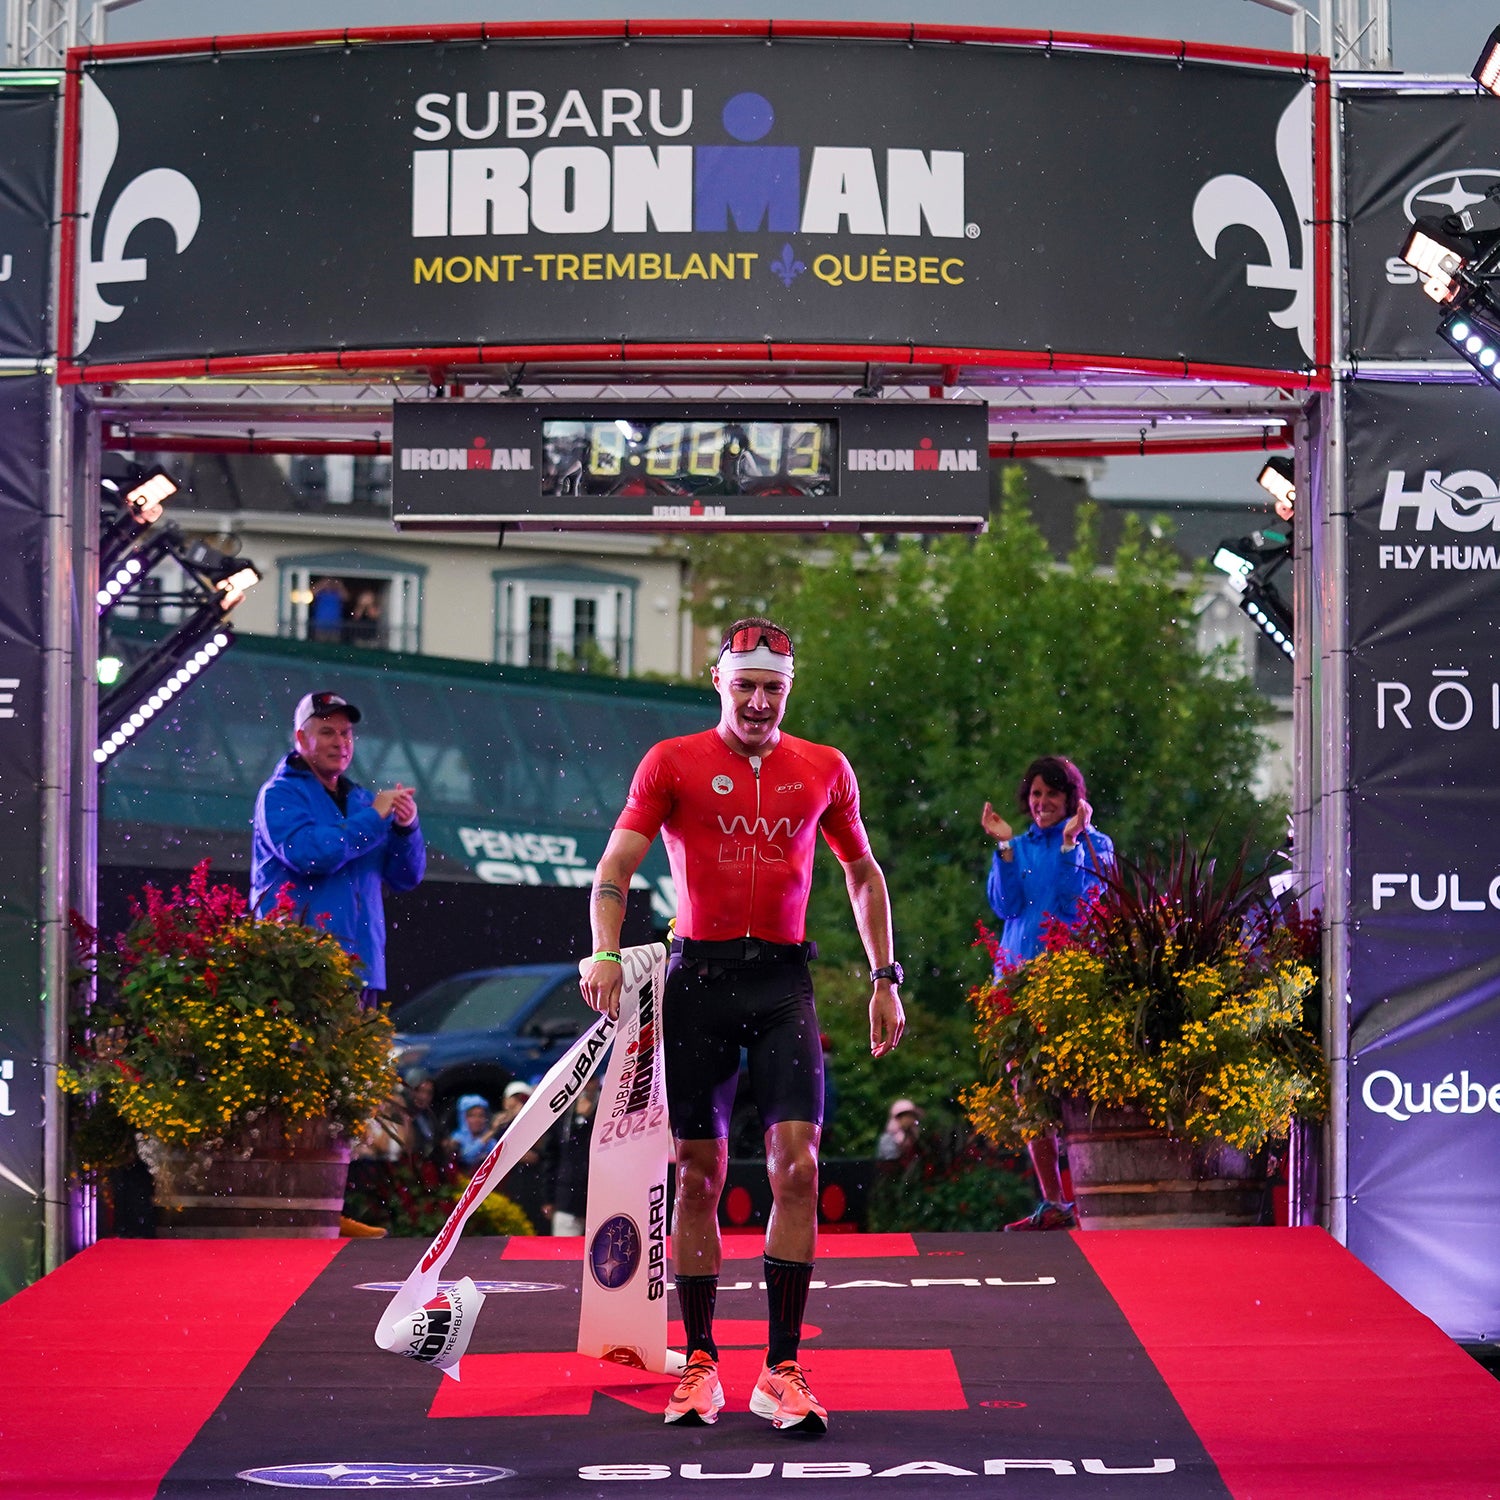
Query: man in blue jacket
x=332 y=840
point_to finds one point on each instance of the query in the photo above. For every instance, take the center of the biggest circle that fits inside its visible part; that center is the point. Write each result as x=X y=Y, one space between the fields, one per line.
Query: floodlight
x=237 y=584
x=1228 y=561
x=145 y=499
x=1278 y=478
x=107 y=669
x=1251 y=564
x=126 y=570
x=1439 y=255
x=1474 y=331
x=1271 y=612
x=171 y=665
x=1487 y=70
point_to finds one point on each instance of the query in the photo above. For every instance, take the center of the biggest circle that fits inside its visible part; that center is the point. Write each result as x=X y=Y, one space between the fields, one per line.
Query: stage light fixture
x=140 y=507
x=235 y=587
x=1251 y=563
x=1278 y=478
x=1267 y=608
x=170 y=667
x=1228 y=561
x=107 y=670
x=1487 y=70
x=1474 y=331
x=1439 y=256
x=131 y=567
x=145 y=499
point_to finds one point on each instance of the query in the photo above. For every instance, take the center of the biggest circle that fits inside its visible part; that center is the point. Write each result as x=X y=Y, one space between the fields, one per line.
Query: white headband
x=761 y=659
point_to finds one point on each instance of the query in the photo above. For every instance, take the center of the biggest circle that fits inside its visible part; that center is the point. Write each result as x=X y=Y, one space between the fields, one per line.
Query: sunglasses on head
x=752 y=636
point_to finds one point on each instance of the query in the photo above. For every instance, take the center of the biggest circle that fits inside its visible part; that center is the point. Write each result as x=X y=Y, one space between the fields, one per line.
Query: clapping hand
x=1076 y=826
x=993 y=824
x=399 y=802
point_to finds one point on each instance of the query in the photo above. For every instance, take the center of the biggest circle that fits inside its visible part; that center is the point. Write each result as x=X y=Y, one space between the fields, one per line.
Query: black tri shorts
x=709 y=1012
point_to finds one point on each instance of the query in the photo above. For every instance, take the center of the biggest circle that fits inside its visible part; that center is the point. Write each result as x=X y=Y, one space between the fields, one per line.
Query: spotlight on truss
x=172 y=665
x=1250 y=564
x=235 y=587
x=140 y=504
x=1278 y=479
x=1487 y=70
x=1474 y=331
x=1271 y=612
x=1439 y=256
x=131 y=567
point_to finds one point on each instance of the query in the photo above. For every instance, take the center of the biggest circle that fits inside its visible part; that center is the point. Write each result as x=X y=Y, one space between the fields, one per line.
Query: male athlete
x=739 y=808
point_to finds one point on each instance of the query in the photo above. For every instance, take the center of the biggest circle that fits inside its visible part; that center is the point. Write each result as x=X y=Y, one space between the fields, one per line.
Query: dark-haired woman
x=1050 y=871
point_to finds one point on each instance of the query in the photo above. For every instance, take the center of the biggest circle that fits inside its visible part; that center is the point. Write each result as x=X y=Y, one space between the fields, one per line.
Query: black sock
x=696 y=1296
x=786 y=1295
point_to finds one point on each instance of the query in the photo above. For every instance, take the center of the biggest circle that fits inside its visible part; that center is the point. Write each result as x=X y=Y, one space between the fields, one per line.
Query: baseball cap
x=517 y=1087
x=318 y=705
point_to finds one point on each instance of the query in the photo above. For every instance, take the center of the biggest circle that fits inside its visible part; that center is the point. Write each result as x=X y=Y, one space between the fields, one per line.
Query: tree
x=941 y=667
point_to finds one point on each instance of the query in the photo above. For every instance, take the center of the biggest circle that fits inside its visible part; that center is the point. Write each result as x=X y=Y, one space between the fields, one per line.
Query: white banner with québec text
x=432 y=1321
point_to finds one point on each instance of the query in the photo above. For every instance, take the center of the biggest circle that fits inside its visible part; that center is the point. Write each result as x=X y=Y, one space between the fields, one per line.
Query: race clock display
x=881 y=465
x=645 y=454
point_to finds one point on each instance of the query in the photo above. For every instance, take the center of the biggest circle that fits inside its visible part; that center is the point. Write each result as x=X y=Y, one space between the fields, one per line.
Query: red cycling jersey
x=740 y=842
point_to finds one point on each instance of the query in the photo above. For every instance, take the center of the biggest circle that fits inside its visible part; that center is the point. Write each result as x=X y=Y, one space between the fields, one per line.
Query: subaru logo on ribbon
x=358 y=1476
x=615 y=1251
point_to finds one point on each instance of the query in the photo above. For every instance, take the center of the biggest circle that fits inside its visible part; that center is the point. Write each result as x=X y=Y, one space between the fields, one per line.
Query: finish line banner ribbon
x=430 y=1321
x=623 y=1316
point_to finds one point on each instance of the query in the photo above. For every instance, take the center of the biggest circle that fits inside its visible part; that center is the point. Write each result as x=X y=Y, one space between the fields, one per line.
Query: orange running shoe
x=783 y=1398
x=698 y=1397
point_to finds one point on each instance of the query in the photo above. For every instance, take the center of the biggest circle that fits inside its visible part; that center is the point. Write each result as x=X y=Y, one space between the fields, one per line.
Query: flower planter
x=1127 y=1174
x=282 y=1184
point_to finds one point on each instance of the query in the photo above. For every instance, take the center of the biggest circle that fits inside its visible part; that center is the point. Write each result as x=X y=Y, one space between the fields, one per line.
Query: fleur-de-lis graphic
x=789 y=268
x=162 y=193
x=1237 y=200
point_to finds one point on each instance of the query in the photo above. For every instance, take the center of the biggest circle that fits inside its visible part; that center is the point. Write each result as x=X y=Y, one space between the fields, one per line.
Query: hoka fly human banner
x=692 y=191
x=1424 y=706
x=23 y=508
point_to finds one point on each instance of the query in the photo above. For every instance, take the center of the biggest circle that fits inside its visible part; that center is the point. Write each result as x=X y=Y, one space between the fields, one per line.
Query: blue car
x=473 y=1033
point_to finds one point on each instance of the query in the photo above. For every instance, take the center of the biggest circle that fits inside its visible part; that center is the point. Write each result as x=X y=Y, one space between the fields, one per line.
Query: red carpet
x=1253 y=1364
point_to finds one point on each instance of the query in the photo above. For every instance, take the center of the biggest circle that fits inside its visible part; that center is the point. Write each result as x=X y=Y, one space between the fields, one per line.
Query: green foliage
x=413 y=1197
x=953 y=1182
x=1177 y=996
x=933 y=1064
x=943 y=666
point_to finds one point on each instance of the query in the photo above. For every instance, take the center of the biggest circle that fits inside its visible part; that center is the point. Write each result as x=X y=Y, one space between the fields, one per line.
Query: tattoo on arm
x=607 y=890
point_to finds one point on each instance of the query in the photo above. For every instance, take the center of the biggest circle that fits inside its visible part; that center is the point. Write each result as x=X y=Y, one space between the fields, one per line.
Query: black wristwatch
x=894 y=972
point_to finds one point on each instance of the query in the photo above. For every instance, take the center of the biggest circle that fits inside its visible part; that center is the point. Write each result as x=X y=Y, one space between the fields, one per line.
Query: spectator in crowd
x=422 y=1135
x=325 y=615
x=527 y=1183
x=334 y=842
x=1051 y=871
x=477 y=1132
x=364 y=619
x=570 y=1165
x=899 y=1138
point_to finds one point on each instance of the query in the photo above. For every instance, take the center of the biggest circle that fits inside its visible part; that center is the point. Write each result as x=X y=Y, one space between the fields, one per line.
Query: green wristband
x=604 y=956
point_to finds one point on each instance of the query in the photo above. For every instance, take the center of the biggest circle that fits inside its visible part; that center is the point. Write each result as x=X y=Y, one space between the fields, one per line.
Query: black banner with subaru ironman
x=23 y=536
x=1407 y=156
x=883 y=465
x=690 y=191
x=28 y=133
x=1424 y=716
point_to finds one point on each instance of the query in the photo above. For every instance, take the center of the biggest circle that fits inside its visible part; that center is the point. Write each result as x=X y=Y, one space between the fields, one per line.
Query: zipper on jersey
x=754 y=833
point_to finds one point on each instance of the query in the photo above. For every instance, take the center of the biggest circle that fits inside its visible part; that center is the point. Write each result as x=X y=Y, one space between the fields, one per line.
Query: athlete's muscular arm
x=622 y=856
x=872 y=915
